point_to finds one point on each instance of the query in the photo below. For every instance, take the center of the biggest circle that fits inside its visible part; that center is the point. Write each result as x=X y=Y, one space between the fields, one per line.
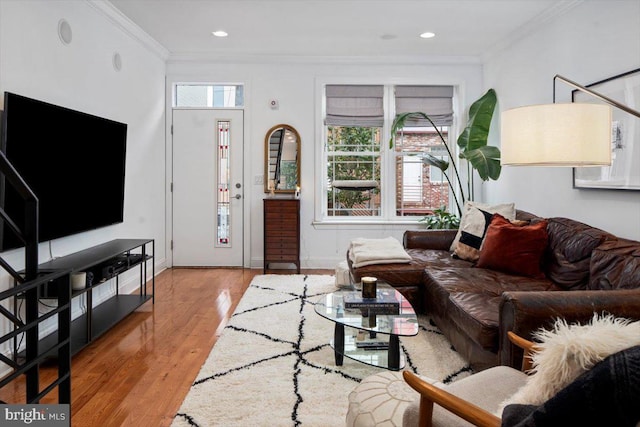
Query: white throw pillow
x=473 y=225
x=569 y=350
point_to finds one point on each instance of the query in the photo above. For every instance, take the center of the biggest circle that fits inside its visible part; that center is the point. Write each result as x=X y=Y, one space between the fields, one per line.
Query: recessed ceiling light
x=427 y=35
x=220 y=33
x=388 y=36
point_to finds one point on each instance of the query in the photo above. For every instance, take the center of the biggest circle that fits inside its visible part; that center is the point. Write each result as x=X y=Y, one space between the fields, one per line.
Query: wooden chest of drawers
x=281 y=232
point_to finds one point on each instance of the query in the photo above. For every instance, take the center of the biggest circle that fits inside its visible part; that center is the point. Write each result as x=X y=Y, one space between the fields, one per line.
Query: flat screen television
x=74 y=163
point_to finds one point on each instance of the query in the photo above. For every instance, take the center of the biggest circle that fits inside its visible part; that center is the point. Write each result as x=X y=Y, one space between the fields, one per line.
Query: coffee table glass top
x=404 y=323
x=374 y=325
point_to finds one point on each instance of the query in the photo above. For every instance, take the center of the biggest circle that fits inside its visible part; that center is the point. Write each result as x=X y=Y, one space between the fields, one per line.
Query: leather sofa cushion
x=615 y=264
x=568 y=256
x=478 y=316
x=526 y=216
x=410 y=274
x=471 y=297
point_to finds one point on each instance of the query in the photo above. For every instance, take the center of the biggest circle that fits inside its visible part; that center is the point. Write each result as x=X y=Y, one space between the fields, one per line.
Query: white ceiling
x=339 y=28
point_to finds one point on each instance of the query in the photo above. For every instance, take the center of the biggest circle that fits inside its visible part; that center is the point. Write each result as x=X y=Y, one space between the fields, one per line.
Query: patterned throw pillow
x=473 y=226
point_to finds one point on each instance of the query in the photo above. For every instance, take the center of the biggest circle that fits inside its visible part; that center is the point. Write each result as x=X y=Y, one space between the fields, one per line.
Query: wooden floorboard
x=138 y=373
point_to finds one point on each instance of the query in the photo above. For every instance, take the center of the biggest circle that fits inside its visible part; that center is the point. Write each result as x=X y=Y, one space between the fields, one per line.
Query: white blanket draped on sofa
x=377 y=251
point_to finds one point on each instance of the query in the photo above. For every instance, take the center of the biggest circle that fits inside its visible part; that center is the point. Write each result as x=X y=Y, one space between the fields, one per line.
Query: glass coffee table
x=373 y=327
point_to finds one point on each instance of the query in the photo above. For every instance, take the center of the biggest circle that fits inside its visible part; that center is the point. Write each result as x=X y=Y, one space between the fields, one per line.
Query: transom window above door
x=200 y=95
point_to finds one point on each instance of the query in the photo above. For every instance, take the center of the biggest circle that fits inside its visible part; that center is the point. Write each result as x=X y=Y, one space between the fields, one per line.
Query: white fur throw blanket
x=569 y=350
x=377 y=251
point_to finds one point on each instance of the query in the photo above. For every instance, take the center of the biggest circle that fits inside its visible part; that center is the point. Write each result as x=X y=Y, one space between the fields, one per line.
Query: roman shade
x=354 y=105
x=435 y=101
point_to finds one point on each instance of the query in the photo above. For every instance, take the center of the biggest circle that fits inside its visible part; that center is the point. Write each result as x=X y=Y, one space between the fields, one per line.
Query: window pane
x=191 y=96
x=420 y=187
x=224 y=213
x=353 y=171
x=209 y=96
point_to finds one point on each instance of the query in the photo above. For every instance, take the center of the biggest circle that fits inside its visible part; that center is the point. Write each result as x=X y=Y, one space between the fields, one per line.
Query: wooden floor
x=138 y=373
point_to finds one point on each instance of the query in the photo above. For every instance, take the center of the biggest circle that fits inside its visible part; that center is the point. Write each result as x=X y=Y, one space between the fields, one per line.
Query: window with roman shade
x=417 y=138
x=364 y=178
x=435 y=101
x=355 y=105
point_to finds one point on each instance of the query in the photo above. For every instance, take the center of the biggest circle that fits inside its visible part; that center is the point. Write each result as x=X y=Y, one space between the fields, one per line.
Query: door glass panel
x=222 y=204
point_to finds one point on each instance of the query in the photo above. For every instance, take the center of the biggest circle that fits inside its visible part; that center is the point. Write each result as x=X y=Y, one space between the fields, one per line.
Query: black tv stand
x=106 y=261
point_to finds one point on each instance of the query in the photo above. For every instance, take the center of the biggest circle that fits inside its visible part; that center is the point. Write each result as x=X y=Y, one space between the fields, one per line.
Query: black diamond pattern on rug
x=273 y=365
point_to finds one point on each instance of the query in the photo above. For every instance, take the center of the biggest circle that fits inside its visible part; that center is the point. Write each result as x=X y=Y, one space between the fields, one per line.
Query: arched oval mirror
x=282 y=159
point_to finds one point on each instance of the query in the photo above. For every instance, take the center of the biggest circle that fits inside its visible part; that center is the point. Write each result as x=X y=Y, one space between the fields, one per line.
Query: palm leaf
x=430 y=159
x=475 y=135
x=486 y=160
x=400 y=120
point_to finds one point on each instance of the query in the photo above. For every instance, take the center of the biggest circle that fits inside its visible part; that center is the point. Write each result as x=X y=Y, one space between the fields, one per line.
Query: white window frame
x=174 y=94
x=387 y=172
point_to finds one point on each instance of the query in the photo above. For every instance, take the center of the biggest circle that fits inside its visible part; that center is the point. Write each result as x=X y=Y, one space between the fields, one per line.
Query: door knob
x=238 y=196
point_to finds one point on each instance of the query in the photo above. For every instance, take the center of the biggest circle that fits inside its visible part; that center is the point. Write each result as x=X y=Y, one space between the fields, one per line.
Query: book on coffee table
x=384 y=303
x=373 y=345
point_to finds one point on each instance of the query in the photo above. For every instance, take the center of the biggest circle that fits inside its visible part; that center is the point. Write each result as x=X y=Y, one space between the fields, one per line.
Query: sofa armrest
x=525 y=312
x=428 y=239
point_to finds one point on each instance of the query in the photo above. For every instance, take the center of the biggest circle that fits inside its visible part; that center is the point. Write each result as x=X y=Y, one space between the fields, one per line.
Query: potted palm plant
x=472 y=144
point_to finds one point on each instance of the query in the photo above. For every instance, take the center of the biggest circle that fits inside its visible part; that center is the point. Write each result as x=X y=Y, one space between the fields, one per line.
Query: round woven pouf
x=380 y=400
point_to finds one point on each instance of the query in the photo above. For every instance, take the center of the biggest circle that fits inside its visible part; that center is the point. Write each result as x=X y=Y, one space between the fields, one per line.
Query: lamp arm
x=592 y=93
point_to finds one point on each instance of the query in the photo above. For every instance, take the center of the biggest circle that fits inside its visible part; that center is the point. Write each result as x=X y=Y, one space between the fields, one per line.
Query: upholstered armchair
x=475 y=398
x=606 y=394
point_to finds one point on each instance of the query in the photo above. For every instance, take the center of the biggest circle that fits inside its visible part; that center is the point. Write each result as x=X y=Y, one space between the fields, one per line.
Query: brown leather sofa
x=586 y=270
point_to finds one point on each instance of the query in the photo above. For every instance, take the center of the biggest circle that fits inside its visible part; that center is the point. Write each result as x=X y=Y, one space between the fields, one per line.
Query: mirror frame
x=266 y=158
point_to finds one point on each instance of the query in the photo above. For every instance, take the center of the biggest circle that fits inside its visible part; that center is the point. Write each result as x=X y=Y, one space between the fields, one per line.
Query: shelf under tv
x=99 y=319
x=104 y=317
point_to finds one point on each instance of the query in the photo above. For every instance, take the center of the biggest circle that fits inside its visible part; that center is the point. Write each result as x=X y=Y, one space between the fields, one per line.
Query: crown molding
x=556 y=10
x=129 y=27
x=177 y=58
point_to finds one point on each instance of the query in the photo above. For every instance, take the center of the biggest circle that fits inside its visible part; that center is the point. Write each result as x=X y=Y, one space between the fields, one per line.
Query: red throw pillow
x=515 y=249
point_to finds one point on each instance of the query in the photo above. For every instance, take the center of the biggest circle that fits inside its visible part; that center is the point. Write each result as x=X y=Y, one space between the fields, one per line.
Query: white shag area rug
x=273 y=366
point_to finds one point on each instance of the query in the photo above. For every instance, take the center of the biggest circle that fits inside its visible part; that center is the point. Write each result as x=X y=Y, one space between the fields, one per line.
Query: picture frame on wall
x=624 y=172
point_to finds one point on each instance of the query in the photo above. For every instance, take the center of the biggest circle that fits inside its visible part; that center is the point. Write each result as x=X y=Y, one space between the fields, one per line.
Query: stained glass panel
x=223 y=205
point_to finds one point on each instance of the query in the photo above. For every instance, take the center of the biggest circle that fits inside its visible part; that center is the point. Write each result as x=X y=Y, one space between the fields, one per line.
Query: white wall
x=293 y=83
x=34 y=63
x=594 y=41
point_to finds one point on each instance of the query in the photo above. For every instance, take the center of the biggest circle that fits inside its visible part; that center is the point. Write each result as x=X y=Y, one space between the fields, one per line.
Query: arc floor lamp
x=566 y=134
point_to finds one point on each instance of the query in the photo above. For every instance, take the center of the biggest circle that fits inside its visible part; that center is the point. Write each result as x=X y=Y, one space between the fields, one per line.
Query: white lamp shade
x=557 y=135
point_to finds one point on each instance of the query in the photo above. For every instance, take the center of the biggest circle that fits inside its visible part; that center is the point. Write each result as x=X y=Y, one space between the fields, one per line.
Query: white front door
x=208 y=191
